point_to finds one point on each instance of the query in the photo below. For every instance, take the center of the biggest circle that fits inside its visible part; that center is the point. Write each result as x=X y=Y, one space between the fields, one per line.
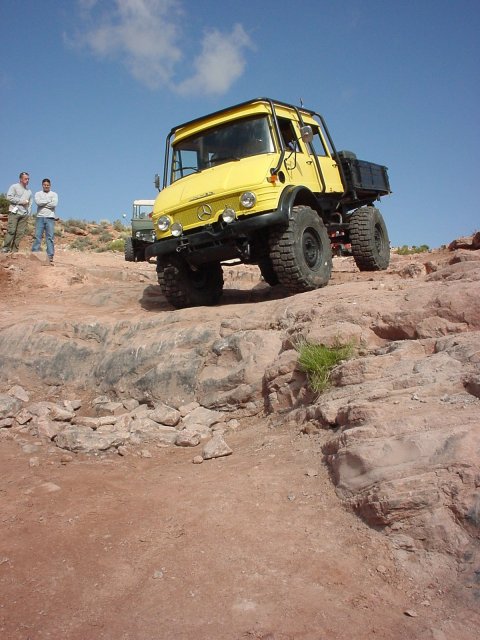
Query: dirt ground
x=255 y=545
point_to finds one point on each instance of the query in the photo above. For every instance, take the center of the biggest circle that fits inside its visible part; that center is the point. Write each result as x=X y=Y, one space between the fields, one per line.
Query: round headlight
x=176 y=229
x=163 y=223
x=248 y=199
x=228 y=215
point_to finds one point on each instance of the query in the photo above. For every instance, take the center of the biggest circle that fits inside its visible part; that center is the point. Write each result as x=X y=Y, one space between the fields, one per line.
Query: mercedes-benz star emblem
x=204 y=212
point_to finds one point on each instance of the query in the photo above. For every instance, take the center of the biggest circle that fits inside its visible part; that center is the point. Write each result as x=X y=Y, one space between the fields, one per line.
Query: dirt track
x=255 y=545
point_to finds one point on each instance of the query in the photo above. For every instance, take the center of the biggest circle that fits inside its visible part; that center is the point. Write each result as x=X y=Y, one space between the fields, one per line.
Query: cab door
x=298 y=164
x=329 y=169
x=309 y=164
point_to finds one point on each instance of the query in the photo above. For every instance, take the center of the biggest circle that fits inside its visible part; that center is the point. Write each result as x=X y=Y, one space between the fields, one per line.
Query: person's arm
x=46 y=200
x=12 y=195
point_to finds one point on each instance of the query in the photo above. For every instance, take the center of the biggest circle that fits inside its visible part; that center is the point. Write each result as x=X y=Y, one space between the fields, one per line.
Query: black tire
x=301 y=253
x=129 y=250
x=140 y=253
x=186 y=287
x=267 y=271
x=369 y=239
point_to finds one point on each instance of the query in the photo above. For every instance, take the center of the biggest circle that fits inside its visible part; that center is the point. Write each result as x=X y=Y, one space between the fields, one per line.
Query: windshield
x=141 y=211
x=225 y=143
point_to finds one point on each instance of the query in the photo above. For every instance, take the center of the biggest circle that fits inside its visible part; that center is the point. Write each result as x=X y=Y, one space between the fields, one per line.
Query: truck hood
x=231 y=177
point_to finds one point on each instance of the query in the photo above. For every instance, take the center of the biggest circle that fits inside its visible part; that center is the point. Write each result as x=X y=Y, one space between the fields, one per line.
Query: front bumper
x=209 y=239
x=144 y=236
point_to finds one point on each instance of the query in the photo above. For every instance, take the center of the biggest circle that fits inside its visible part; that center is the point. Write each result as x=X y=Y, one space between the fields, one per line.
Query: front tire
x=268 y=272
x=129 y=250
x=301 y=253
x=184 y=287
x=369 y=239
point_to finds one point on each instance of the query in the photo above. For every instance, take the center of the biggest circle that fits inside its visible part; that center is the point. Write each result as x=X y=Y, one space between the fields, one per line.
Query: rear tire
x=369 y=239
x=129 y=250
x=301 y=253
x=185 y=287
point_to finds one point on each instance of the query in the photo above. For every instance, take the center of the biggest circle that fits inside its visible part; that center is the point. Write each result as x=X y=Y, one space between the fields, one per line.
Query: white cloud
x=219 y=64
x=145 y=35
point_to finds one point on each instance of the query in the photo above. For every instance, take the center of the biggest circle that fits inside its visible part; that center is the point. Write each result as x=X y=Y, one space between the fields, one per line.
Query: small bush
x=407 y=251
x=72 y=222
x=95 y=231
x=105 y=236
x=119 y=226
x=317 y=361
x=82 y=244
x=4 y=204
x=114 y=245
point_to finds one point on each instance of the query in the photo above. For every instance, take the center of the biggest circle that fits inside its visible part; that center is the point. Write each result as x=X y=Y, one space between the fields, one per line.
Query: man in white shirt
x=46 y=201
x=20 y=198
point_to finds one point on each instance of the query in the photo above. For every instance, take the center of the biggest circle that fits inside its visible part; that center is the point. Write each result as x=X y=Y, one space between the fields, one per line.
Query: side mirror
x=306 y=133
x=156 y=182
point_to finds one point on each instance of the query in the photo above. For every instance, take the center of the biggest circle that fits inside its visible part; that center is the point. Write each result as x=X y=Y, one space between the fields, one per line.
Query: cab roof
x=269 y=101
x=144 y=202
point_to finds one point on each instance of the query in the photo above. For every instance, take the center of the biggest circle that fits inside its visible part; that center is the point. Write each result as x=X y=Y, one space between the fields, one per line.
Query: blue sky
x=90 y=88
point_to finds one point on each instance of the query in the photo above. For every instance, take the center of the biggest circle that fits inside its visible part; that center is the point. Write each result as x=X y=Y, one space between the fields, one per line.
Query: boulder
x=84 y=440
x=216 y=448
x=9 y=405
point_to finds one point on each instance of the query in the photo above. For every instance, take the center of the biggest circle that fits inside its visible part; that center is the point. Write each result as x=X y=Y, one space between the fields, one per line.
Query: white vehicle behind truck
x=142 y=231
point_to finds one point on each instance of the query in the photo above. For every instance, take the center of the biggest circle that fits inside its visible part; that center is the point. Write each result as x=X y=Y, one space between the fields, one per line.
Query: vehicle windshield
x=142 y=211
x=228 y=142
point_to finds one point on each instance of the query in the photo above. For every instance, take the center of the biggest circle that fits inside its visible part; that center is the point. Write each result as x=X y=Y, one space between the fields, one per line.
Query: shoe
x=50 y=262
x=5 y=250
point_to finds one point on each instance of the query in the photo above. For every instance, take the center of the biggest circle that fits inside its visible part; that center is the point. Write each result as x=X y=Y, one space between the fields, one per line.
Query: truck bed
x=361 y=175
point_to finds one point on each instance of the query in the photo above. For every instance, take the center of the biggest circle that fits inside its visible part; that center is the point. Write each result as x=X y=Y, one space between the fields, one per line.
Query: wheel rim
x=311 y=247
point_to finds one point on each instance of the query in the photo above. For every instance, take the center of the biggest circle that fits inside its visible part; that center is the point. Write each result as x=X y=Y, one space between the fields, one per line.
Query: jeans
x=48 y=225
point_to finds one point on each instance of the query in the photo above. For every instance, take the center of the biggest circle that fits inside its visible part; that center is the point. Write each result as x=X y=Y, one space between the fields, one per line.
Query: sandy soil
x=252 y=546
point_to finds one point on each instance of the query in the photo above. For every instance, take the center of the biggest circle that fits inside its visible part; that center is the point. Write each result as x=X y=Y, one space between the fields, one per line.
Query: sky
x=89 y=90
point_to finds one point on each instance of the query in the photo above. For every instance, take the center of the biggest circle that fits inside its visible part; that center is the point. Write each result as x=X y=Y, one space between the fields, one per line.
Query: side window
x=289 y=138
x=317 y=143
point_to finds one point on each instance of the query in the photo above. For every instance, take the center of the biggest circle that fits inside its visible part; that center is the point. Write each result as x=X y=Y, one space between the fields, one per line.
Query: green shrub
x=95 y=231
x=82 y=244
x=114 y=245
x=73 y=223
x=4 y=204
x=105 y=236
x=407 y=251
x=119 y=226
x=318 y=360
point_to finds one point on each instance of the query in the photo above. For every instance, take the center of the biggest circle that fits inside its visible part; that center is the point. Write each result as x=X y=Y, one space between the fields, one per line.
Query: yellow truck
x=262 y=183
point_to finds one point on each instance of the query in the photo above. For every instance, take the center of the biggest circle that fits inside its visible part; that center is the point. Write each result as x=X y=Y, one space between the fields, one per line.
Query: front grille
x=187 y=216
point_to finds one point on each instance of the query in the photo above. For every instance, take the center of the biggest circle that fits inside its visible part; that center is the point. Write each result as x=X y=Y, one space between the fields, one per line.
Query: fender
x=293 y=195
